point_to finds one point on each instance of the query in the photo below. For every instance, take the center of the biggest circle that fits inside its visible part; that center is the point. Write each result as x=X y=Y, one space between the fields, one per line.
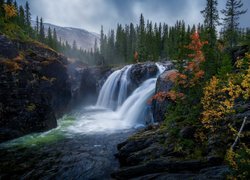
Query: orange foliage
x=192 y=69
x=162 y=96
x=191 y=74
x=136 y=56
x=172 y=76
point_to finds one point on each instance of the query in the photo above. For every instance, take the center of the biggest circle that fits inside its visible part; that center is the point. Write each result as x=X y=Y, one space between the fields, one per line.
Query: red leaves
x=162 y=96
x=191 y=75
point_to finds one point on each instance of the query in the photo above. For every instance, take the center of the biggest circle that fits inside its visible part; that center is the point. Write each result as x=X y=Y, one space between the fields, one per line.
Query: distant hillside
x=84 y=39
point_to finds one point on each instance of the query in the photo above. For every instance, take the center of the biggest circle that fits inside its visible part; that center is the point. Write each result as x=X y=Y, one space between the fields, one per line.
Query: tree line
x=154 y=41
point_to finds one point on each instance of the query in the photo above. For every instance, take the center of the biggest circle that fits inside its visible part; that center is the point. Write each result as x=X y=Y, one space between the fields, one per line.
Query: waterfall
x=117 y=81
x=115 y=110
x=113 y=95
x=134 y=106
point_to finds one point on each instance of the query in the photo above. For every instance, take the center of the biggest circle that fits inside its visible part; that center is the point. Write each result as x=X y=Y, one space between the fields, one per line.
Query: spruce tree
x=55 y=41
x=232 y=13
x=211 y=20
x=141 y=39
x=74 y=46
x=41 y=31
x=49 y=38
x=37 y=25
x=21 y=21
x=27 y=14
x=102 y=42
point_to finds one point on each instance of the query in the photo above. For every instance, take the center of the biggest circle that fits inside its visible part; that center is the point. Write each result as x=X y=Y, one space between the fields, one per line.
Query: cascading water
x=133 y=108
x=108 y=97
x=114 y=110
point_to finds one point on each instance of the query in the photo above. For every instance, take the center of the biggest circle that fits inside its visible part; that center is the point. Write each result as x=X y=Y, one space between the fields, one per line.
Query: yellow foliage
x=230 y=158
x=10 y=11
x=219 y=99
x=246 y=84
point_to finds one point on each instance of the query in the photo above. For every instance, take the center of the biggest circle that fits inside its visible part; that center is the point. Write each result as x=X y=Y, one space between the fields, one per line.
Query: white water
x=129 y=111
x=107 y=97
x=133 y=108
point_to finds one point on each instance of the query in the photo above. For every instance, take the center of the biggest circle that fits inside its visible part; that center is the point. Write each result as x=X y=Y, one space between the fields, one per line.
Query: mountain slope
x=84 y=39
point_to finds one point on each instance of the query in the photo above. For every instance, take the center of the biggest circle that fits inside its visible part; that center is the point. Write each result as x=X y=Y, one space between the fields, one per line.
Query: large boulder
x=141 y=72
x=163 y=84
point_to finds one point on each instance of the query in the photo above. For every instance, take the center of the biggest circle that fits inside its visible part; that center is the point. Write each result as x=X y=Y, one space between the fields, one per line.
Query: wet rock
x=141 y=72
x=162 y=165
x=216 y=172
x=86 y=82
x=163 y=84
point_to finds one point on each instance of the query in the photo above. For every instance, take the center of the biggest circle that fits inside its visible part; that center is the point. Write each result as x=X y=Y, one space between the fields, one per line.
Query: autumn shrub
x=239 y=162
x=220 y=95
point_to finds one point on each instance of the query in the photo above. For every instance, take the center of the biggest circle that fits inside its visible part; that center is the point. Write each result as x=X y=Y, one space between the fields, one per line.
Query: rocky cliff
x=35 y=88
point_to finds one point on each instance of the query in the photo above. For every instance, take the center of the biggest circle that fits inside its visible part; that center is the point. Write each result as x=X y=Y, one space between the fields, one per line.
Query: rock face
x=141 y=72
x=34 y=88
x=147 y=155
x=86 y=82
x=163 y=84
x=7 y=50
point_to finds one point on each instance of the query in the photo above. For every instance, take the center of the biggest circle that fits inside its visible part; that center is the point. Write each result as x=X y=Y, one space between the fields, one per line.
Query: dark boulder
x=141 y=72
x=163 y=84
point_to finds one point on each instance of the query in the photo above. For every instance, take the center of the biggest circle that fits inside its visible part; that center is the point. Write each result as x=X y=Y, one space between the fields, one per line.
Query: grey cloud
x=91 y=14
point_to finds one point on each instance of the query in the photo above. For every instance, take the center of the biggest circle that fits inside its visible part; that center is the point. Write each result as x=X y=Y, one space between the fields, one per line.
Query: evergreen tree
x=141 y=40
x=49 y=38
x=96 y=49
x=74 y=46
x=102 y=41
x=211 y=20
x=211 y=14
x=132 y=41
x=21 y=18
x=27 y=14
x=55 y=41
x=37 y=25
x=232 y=13
x=41 y=31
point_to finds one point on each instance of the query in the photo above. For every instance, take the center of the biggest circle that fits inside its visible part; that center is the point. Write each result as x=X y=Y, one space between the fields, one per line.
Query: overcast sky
x=91 y=14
